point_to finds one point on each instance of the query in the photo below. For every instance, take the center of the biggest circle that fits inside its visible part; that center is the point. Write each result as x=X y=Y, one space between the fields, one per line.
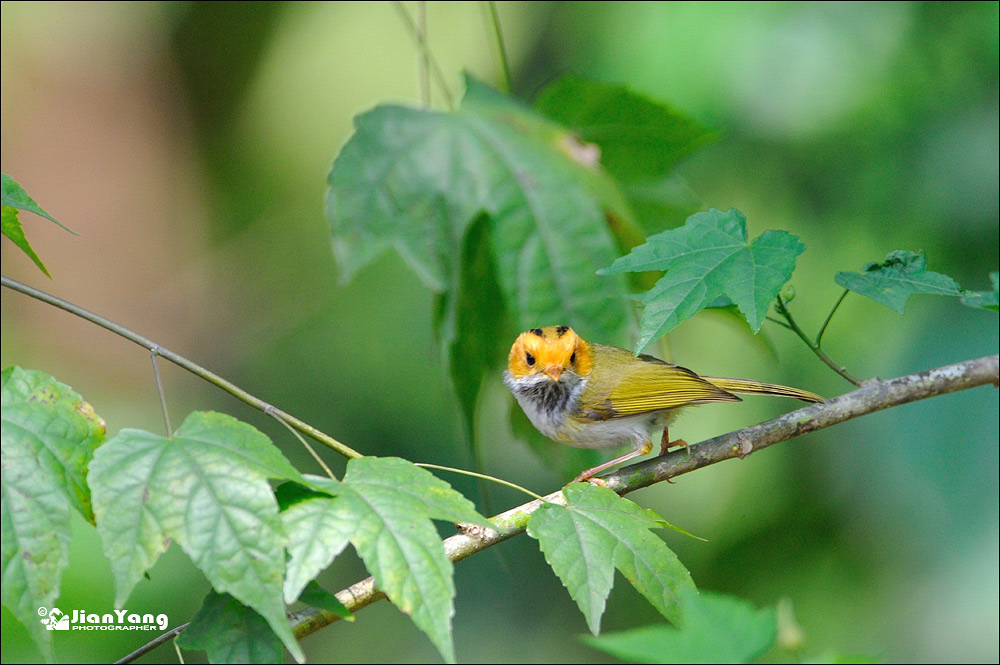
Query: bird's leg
x=666 y=444
x=641 y=449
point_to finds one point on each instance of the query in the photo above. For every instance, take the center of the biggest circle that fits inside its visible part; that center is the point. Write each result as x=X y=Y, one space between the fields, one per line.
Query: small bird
x=598 y=396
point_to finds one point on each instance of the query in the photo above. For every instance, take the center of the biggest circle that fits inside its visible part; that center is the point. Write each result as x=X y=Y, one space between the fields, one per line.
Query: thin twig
x=481 y=476
x=782 y=309
x=435 y=68
x=312 y=451
x=424 y=68
x=505 y=78
x=822 y=329
x=778 y=322
x=181 y=361
x=163 y=397
x=874 y=396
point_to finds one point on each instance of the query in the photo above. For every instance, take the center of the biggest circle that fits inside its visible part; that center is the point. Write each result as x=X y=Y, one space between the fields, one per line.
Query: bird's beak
x=553 y=372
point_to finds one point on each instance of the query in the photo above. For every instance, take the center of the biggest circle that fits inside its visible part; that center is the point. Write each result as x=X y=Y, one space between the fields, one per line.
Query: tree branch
x=874 y=395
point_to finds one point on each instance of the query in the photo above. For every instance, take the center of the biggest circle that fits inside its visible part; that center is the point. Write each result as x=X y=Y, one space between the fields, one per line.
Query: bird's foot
x=666 y=445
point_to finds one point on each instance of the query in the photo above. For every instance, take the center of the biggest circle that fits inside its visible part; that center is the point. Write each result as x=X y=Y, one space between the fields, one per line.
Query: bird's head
x=553 y=351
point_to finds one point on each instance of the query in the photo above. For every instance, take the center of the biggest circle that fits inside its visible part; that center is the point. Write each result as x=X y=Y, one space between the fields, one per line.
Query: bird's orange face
x=550 y=351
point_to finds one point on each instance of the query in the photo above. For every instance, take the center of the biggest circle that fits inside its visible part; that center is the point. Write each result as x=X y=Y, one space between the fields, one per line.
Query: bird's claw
x=665 y=446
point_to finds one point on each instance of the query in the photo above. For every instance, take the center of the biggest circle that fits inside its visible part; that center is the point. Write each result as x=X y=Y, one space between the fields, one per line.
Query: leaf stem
x=427 y=53
x=822 y=329
x=312 y=451
x=181 y=361
x=424 y=69
x=159 y=388
x=782 y=309
x=505 y=78
x=778 y=321
x=482 y=476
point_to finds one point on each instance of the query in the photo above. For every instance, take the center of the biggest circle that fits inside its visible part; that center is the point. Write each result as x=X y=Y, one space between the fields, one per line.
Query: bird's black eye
x=529 y=358
x=572 y=359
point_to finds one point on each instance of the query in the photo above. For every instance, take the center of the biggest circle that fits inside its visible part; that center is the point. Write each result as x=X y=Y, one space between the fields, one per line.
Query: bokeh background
x=188 y=144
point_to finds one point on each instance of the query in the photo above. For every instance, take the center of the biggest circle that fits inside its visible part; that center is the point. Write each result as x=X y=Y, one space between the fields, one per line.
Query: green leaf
x=10 y=226
x=48 y=438
x=415 y=180
x=316 y=596
x=900 y=276
x=984 y=299
x=318 y=530
x=384 y=507
x=715 y=629
x=13 y=195
x=706 y=258
x=206 y=489
x=230 y=632
x=599 y=531
x=639 y=139
x=470 y=323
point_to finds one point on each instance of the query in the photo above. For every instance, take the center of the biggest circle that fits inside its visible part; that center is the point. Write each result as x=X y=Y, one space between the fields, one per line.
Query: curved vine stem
x=782 y=308
x=822 y=329
x=183 y=362
x=481 y=476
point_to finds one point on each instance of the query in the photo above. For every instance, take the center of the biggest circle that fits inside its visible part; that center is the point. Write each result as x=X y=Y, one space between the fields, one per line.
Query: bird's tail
x=758 y=388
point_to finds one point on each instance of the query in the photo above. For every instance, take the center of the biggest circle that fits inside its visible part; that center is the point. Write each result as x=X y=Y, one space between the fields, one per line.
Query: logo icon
x=54 y=619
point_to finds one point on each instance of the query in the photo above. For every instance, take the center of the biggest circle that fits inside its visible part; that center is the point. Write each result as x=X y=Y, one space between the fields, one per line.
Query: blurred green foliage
x=189 y=144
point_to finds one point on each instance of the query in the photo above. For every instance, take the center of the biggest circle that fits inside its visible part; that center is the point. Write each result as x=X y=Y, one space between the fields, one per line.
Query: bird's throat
x=547 y=403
